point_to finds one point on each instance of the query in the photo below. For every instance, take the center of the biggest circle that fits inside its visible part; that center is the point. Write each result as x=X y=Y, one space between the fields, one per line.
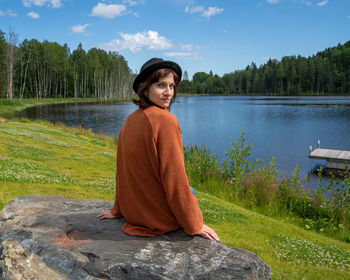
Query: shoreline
x=8 y=107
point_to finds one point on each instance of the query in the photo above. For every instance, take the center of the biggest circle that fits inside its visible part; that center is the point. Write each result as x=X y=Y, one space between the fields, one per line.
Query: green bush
x=256 y=185
x=203 y=165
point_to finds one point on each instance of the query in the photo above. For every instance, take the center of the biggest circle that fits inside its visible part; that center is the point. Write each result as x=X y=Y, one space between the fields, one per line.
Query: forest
x=33 y=69
x=326 y=73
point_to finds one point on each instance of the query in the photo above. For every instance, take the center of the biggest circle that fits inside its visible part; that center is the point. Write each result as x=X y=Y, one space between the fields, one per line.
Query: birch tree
x=2 y=64
x=11 y=40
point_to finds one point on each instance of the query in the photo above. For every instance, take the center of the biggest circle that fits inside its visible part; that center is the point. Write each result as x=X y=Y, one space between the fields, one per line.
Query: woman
x=153 y=193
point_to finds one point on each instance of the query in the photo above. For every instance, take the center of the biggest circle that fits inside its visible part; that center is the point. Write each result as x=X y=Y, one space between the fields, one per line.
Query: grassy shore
x=42 y=158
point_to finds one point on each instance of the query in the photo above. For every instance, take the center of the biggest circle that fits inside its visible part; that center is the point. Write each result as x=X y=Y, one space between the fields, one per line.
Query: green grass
x=43 y=158
x=291 y=252
x=40 y=157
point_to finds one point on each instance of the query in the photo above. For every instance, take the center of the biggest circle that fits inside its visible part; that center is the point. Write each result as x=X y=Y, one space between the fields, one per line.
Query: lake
x=280 y=127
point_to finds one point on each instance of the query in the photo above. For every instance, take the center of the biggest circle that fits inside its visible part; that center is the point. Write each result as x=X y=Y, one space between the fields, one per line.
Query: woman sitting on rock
x=153 y=193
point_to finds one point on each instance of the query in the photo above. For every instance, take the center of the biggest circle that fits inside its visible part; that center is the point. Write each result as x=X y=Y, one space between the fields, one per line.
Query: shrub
x=202 y=164
x=257 y=186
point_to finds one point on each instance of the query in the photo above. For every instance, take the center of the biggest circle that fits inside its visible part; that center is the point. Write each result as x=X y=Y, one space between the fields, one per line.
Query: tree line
x=326 y=73
x=34 y=69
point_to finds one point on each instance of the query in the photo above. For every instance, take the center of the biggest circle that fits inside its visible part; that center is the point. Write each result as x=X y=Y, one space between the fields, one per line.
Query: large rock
x=52 y=237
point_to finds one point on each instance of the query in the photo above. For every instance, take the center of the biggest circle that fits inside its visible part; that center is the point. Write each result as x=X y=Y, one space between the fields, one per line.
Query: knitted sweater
x=152 y=191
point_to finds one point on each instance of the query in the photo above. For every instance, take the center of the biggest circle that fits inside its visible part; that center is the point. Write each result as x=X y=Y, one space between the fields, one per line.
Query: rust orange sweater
x=152 y=191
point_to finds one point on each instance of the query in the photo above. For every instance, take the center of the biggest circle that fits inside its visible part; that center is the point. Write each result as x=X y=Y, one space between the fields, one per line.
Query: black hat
x=153 y=65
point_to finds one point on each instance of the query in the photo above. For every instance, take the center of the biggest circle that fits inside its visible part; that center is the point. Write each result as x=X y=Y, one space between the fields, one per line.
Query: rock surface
x=52 y=237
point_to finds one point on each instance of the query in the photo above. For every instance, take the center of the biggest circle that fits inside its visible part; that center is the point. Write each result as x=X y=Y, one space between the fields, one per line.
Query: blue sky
x=222 y=36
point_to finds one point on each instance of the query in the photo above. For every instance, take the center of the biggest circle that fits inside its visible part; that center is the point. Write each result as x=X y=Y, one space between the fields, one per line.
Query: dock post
x=318 y=144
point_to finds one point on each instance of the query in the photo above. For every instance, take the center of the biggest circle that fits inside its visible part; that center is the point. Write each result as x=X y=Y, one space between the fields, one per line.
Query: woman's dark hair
x=143 y=101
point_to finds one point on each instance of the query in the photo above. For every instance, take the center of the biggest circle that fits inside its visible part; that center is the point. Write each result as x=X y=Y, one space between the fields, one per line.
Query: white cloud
x=108 y=11
x=212 y=11
x=51 y=3
x=180 y=54
x=28 y=3
x=273 y=1
x=56 y=3
x=130 y=2
x=322 y=3
x=197 y=9
x=33 y=15
x=135 y=42
x=11 y=13
x=308 y=3
x=80 y=28
x=186 y=47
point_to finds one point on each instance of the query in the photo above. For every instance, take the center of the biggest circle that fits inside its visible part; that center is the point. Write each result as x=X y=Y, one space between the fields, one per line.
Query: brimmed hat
x=153 y=65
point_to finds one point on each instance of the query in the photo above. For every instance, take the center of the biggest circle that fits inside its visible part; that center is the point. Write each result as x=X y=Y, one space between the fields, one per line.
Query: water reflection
x=103 y=118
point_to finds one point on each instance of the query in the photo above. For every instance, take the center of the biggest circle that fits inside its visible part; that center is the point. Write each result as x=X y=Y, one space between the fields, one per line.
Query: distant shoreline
x=8 y=107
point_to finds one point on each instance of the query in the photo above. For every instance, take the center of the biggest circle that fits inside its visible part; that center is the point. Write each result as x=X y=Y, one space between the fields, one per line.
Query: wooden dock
x=335 y=159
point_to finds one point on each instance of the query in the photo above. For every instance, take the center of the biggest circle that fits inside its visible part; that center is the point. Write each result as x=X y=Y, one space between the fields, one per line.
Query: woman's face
x=161 y=92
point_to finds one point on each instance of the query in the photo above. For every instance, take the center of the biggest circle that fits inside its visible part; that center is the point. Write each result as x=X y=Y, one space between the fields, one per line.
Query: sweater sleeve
x=182 y=202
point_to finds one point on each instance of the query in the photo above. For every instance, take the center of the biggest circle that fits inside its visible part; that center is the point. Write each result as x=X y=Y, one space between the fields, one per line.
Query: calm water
x=283 y=128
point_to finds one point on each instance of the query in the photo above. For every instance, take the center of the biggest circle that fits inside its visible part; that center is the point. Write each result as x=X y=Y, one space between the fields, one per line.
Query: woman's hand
x=107 y=214
x=208 y=233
